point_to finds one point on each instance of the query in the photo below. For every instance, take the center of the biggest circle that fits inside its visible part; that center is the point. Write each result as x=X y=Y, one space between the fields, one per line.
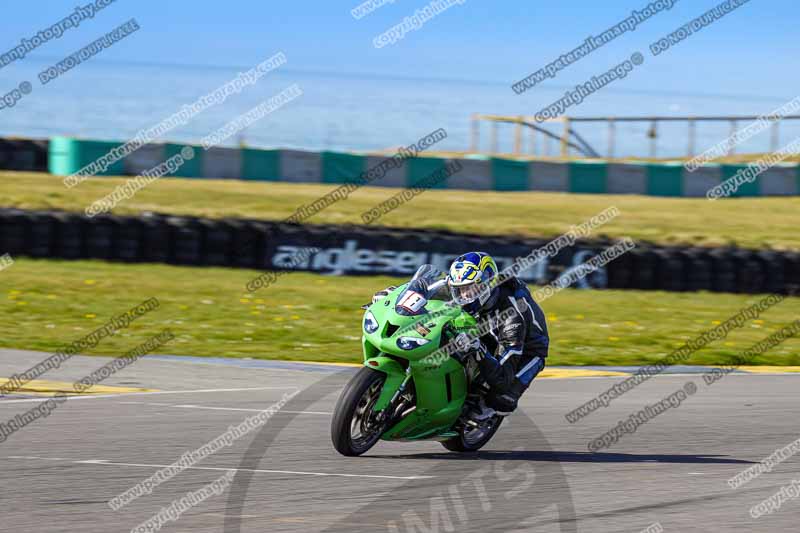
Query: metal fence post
x=475 y=133
x=565 y=138
x=732 y=146
x=612 y=137
x=773 y=140
x=653 y=134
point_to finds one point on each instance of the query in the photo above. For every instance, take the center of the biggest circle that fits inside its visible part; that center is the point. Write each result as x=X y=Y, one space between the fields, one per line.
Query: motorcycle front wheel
x=354 y=428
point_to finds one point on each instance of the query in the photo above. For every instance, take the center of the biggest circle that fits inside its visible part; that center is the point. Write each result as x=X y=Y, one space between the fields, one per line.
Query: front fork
x=396 y=380
x=401 y=389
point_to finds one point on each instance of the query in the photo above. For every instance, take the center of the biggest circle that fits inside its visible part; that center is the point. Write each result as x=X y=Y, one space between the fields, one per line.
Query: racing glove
x=468 y=345
x=380 y=295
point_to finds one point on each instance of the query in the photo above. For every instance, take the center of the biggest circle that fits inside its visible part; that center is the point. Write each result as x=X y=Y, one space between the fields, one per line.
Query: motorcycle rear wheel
x=353 y=428
x=469 y=441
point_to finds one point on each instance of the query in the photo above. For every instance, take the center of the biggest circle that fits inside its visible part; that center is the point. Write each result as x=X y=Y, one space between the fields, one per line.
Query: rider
x=513 y=349
x=513 y=345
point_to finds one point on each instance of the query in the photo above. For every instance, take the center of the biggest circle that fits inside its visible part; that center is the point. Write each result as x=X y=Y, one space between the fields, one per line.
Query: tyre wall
x=359 y=250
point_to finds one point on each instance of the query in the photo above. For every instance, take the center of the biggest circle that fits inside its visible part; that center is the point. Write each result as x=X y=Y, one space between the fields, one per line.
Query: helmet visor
x=466 y=294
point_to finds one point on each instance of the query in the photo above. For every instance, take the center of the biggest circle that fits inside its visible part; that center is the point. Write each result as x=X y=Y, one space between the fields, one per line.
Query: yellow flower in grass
x=89 y=281
x=90 y=315
x=613 y=339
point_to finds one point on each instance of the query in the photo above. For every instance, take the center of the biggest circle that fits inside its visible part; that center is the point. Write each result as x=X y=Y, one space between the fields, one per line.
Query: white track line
x=255 y=470
x=185 y=406
x=71 y=398
x=90 y=397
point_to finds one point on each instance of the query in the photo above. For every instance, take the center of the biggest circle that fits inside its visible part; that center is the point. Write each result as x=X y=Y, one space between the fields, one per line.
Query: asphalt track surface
x=537 y=474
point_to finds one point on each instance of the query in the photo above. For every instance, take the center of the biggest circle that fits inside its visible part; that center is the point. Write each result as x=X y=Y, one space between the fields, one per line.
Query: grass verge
x=748 y=222
x=47 y=304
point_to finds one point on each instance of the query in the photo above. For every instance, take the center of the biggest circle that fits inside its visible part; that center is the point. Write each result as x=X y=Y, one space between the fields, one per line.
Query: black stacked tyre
x=643 y=276
x=13 y=230
x=750 y=277
x=697 y=269
x=68 y=241
x=216 y=242
x=723 y=270
x=99 y=237
x=155 y=237
x=669 y=271
x=129 y=240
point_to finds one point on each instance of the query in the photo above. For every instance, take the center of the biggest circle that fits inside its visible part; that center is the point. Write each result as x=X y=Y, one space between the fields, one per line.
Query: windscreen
x=427 y=284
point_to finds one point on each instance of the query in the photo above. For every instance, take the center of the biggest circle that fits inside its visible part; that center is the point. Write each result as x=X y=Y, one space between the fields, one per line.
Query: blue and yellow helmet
x=472 y=278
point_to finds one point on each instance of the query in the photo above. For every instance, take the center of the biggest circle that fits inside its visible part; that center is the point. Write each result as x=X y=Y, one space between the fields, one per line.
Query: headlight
x=409 y=343
x=370 y=324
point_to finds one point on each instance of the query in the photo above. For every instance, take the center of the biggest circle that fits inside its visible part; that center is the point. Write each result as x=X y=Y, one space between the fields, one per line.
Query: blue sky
x=744 y=63
x=750 y=52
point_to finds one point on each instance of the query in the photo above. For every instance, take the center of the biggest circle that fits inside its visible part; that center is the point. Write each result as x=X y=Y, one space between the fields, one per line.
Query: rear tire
x=465 y=443
x=352 y=413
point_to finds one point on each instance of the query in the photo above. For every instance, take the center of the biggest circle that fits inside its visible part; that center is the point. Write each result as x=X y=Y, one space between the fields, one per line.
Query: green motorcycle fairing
x=439 y=381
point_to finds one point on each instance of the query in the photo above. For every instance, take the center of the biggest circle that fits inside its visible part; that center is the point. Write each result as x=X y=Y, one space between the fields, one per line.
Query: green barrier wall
x=509 y=175
x=342 y=168
x=588 y=177
x=745 y=189
x=192 y=168
x=798 y=178
x=420 y=168
x=261 y=165
x=67 y=156
x=665 y=180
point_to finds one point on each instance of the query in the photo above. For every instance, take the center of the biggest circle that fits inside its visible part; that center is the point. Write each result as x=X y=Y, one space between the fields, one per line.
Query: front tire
x=473 y=439
x=353 y=428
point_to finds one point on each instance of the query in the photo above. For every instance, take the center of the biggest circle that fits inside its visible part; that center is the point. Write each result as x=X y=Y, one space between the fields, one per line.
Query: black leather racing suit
x=517 y=343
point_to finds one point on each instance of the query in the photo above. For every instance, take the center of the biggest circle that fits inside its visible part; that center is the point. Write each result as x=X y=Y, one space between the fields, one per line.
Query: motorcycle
x=411 y=387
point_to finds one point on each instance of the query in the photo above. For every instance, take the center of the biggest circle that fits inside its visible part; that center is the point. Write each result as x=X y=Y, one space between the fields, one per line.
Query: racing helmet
x=472 y=280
